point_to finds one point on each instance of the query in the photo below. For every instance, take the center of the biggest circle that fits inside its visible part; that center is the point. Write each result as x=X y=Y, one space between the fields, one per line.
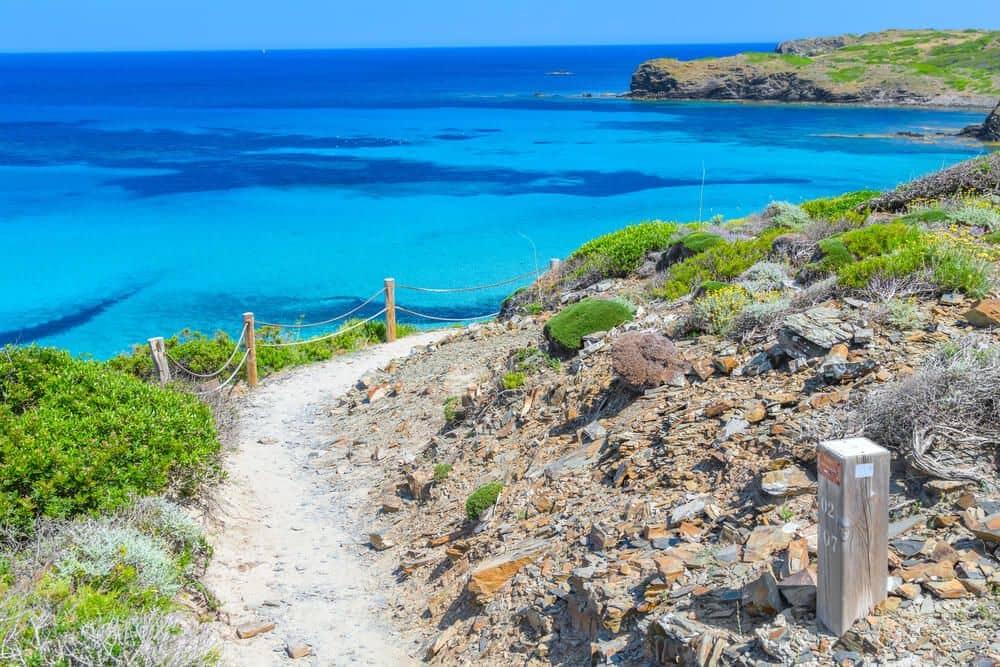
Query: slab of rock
x=988 y=530
x=296 y=651
x=379 y=541
x=790 y=481
x=950 y=589
x=799 y=589
x=491 y=574
x=674 y=640
x=688 y=510
x=761 y=596
x=986 y=313
x=248 y=630
x=813 y=332
x=645 y=359
x=764 y=541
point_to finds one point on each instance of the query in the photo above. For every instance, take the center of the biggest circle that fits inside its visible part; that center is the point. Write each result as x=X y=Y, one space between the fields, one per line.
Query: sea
x=144 y=194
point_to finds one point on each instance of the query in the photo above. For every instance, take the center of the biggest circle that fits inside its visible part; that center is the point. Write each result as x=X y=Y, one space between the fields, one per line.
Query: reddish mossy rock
x=646 y=359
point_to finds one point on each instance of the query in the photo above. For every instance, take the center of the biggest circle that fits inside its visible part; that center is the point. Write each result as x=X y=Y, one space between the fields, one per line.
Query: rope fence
x=247 y=339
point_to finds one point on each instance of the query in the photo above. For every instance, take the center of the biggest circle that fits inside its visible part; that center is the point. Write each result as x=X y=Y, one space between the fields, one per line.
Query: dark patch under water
x=81 y=315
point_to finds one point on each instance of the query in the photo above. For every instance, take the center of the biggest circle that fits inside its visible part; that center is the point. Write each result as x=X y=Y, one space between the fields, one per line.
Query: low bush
x=567 y=329
x=622 y=251
x=716 y=312
x=513 y=380
x=101 y=592
x=785 y=214
x=721 y=262
x=944 y=417
x=973 y=215
x=204 y=354
x=482 y=499
x=700 y=241
x=904 y=314
x=453 y=410
x=78 y=436
x=841 y=207
x=926 y=216
x=441 y=472
x=764 y=277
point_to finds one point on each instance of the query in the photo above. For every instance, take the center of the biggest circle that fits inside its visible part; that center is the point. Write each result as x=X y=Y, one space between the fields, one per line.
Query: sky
x=116 y=25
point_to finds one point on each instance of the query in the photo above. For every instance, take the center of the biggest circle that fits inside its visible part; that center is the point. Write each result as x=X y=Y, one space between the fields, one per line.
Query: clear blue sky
x=70 y=25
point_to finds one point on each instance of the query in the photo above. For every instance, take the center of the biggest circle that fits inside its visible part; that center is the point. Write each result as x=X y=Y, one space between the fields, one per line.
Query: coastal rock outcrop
x=989 y=130
x=875 y=68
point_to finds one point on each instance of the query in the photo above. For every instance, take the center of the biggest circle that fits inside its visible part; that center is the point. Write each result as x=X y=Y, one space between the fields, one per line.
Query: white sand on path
x=285 y=549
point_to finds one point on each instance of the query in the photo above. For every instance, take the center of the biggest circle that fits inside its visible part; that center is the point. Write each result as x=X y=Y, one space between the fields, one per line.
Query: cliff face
x=947 y=68
x=989 y=130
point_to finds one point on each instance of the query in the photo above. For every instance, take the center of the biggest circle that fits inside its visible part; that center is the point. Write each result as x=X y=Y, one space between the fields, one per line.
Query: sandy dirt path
x=286 y=549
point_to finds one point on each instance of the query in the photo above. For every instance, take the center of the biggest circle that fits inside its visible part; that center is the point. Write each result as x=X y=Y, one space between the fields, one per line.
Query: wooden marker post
x=390 y=309
x=554 y=264
x=251 y=343
x=853 y=530
x=159 y=353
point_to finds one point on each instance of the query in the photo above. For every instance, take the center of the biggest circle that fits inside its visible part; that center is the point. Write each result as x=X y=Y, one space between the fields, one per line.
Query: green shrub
x=513 y=380
x=622 y=251
x=700 y=241
x=955 y=269
x=482 y=499
x=879 y=239
x=204 y=354
x=925 y=216
x=841 y=207
x=710 y=286
x=869 y=245
x=721 y=262
x=78 y=436
x=784 y=214
x=453 y=411
x=977 y=216
x=716 y=312
x=441 y=472
x=992 y=238
x=531 y=359
x=567 y=329
x=904 y=314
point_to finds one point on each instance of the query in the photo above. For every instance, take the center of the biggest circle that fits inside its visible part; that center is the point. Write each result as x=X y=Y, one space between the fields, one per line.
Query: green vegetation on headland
x=925 y=67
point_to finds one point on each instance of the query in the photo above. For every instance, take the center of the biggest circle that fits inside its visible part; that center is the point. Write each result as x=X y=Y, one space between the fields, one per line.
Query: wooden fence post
x=251 y=343
x=159 y=353
x=390 y=309
x=853 y=565
x=554 y=264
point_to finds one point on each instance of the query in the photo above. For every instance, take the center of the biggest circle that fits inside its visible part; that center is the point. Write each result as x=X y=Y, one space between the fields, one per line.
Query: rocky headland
x=895 y=67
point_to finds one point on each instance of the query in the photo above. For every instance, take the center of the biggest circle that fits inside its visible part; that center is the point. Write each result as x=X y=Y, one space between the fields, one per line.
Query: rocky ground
x=658 y=500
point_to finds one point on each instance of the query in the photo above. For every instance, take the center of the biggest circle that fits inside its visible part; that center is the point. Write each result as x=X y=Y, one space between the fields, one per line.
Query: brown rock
x=419 y=483
x=296 y=651
x=755 y=412
x=761 y=596
x=985 y=313
x=379 y=541
x=717 y=408
x=391 y=504
x=949 y=589
x=669 y=567
x=726 y=365
x=764 y=541
x=703 y=368
x=908 y=591
x=799 y=589
x=248 y=630
x=988 y=530
x=646 y=359
x=798 y=556
x=487 y=577
x=790 y=481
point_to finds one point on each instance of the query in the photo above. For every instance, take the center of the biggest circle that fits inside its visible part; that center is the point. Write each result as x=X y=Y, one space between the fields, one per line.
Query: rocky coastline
x=899 y=68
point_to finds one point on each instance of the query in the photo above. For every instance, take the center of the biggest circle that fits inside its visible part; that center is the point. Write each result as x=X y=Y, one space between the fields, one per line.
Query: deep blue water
x=144 y=193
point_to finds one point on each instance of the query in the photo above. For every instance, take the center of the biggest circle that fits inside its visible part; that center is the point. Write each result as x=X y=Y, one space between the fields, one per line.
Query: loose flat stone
x=248 y=630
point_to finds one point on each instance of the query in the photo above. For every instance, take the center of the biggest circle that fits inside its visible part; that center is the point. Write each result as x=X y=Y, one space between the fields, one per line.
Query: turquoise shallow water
x=142 y=194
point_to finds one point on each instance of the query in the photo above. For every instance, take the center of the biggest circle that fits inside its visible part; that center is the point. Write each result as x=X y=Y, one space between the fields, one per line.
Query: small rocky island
x=989 y=130
x=897 y=67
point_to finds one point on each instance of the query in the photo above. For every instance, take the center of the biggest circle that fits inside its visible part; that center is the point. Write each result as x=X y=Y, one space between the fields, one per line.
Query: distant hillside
x=919 y=67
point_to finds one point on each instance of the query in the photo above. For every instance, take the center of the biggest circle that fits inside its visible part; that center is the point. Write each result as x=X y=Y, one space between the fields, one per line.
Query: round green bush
x=78 y=436
x=482 y=499
x=567 y=329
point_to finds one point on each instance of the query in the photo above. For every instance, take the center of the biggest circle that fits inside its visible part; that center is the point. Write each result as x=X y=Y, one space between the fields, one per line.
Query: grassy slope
x=923 y=61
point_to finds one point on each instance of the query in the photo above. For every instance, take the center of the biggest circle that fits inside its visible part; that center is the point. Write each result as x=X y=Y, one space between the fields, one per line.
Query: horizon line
x=246 y=49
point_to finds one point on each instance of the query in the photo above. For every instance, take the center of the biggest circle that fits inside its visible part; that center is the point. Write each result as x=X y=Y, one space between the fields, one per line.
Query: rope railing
x=332 y=334
x=331 y=320
x=228 y=380
x=474 y=288
x=248 y=337
x=417 y=313
x=236 y=349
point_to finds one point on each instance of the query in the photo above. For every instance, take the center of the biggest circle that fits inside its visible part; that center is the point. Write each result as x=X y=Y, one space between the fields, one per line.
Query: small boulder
x=813 y=332
x=761 y=596
x=986 y=313
x=645 y=360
